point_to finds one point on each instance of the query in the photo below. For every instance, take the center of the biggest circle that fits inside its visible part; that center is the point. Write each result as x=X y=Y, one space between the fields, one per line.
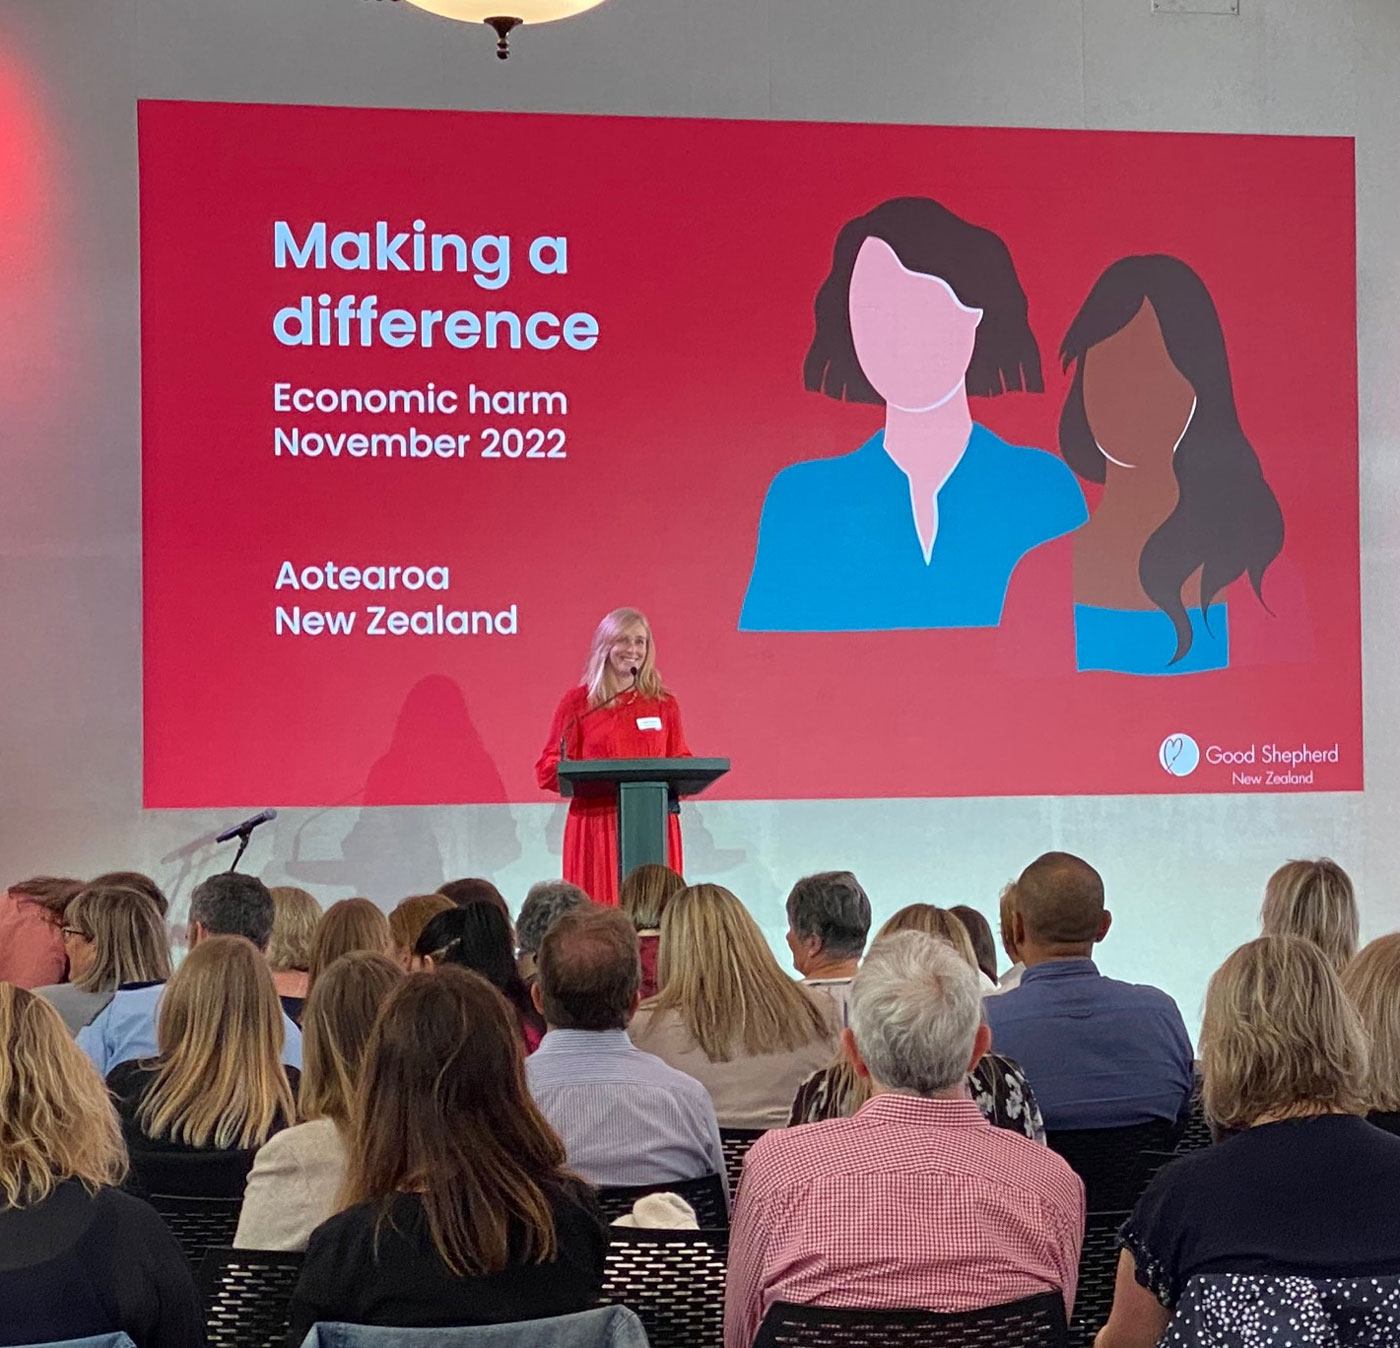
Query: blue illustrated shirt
x=838 y=550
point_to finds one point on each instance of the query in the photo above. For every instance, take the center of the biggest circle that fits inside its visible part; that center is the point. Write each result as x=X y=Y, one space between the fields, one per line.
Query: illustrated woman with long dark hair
x=1185 y=510
x=922 y=526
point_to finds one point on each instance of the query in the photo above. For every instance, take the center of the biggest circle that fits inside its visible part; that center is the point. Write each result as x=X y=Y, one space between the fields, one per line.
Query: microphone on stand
x=579 y=720
x=243 y=832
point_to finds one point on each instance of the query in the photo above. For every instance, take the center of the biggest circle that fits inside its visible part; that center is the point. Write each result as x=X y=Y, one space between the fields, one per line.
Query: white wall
x=1184 y=873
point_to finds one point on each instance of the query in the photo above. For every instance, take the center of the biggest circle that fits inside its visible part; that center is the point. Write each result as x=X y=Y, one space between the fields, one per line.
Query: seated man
x=625 y=1116
x=828 y=920
x=1099 y=1053
x=916 y=1201
x=223 y=905
x=546 y=900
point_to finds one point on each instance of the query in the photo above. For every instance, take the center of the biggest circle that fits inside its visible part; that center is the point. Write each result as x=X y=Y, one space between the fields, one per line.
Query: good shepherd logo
x=1179 y=755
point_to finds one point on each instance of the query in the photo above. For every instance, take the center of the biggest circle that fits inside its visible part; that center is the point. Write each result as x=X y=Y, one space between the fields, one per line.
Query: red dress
x=632 y=727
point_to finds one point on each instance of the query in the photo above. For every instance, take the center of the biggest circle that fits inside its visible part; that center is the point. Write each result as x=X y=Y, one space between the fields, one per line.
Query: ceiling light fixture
x=517 y=12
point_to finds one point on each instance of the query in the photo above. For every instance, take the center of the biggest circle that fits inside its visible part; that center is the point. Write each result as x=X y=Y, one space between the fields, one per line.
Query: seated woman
x=1314 y=900
x=459 y=1208
x=114 y=937
x=1372 y=982
x=728 y=1015
x=297 y=1174
x=1305 y=1187
x=351 y=924
x=997 y=1085
x=643 y=897
x=31 y=942
x=479 y=938
x=295 y=915
x=78 y=1257
x=407 y=921
x=195 y=1115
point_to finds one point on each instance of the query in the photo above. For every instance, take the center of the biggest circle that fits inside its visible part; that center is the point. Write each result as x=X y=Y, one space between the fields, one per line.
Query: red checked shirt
x=911 y=1203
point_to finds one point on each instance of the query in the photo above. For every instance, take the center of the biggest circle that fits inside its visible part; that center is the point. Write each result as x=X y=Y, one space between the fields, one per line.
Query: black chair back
x=1197 y=1132
x=736 y=1143
x=198 y=1224
x=672 y=1281
x=1106 y=1159
x=1034 y=1322
x=705 y=1195
x=1098 y=1274
x=248 y=1296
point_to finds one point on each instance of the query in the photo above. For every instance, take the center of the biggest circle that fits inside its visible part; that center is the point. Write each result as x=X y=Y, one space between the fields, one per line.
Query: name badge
x=648 y=723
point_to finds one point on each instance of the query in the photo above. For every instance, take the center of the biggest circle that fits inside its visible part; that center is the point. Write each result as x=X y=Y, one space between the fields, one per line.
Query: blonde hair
x=1279 y=1039
x=407 y=921
x=1372 y=981
x=219 y=1080
x=1314 y=900
x=598 y=677
x=720 y=977
x=645 y=892
x=1006 y=914
x=128 y=936
x=57 y=1121
x=351 y=924
x=339 y=1016
x=294 y=917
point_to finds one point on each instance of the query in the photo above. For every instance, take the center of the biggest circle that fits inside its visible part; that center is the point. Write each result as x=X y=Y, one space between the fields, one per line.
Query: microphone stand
x=243 y=838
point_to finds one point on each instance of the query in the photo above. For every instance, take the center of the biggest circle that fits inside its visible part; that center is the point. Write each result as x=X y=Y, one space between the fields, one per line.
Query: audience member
x=828 y=920
x=194 y=1115
x=230 y=904
x=478 y=938
x=31 y=942
x=1314 y=900
x=997 y=1085
x=545 y=901
x=1102 y=1054
x=625 y=1116
x=407 y=921
x=1303 y=1188
x=459 y=1208
x=142 y=884
x=473 y=889
x=113 y=937
x=347 y=926
x=728 y=1015
x=1007 y=906
x=643 y=896
x=78 y=1258
x=984 y=946
x=1372 y=982
x=917 y=1201
x=294 y=917
x=297 y=1174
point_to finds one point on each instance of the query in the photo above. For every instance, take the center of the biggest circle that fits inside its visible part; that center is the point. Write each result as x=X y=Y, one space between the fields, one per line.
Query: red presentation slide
x=942 y=461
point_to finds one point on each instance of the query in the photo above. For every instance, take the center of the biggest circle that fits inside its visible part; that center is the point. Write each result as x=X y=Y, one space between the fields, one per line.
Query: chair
x=198 y=1224
x=673 y=1281
x=248 y=1296
x=1106 y=1159
x=1035 y=1322
x=736 y=1143
x=1197 y=1132
x=1098 y=1273
x=706 y=1195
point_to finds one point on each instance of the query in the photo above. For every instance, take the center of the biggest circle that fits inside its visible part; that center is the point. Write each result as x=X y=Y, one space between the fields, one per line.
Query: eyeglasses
x=75 y=931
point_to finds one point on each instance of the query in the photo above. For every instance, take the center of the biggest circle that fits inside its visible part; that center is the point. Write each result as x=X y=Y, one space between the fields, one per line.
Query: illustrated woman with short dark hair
x=922 y=526
x=1185 y=509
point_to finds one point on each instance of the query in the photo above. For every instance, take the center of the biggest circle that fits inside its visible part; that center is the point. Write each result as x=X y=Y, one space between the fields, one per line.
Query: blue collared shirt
x=625 y=1116
x=1098 y=1053
x=126 y=1029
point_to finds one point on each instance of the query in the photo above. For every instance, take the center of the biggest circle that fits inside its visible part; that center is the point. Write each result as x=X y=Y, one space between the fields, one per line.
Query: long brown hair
x=336 y=1027
x=718 y=974
x=443 y=1112
x=351 y=924
x=128 y=936
x=220 y=1081
x=52 y=893
x=646 y=891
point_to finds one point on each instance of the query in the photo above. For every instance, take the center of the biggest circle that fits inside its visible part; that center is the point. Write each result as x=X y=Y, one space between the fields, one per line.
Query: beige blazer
x=748 y=1092
x=292 y=1187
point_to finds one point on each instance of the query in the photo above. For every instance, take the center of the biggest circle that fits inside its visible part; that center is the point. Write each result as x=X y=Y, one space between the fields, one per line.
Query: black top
x=80 y=1264
x=1389 y=1119
x=409 y=1286
x=1313 y=1198
x=295 y=1007
x=163 y=1166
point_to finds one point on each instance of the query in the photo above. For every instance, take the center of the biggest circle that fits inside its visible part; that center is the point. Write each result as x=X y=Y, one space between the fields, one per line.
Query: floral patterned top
x=997 y=1086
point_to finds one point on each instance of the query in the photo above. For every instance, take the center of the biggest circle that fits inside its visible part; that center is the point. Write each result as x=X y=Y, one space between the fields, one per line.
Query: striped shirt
x=625 y=1116
x=912 y=1203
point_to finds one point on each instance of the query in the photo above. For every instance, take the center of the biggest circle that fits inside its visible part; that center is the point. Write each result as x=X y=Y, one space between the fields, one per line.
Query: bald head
x=1058 y=904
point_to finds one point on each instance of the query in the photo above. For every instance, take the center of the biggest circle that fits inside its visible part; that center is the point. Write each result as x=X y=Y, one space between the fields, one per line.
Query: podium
x=644 y=789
